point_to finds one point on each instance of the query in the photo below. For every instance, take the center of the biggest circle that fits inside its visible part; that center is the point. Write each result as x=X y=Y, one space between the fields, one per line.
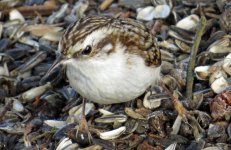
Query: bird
x=109 y=60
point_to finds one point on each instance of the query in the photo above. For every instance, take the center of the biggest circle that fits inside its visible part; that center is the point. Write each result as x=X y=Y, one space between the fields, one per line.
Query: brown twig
x=192 y=61
x=45 y=9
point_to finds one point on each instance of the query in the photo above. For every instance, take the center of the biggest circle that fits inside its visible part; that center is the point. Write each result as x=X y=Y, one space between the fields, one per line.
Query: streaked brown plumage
x=129 y=32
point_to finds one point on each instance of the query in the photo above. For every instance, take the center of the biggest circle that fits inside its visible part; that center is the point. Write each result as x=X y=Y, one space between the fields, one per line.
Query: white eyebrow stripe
x=107 y=47
x=92 y=39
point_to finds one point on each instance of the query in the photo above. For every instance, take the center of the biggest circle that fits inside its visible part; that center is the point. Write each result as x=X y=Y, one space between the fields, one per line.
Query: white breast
x=118 y=78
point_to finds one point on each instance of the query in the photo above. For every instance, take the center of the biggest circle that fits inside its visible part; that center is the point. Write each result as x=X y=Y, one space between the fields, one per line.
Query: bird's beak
x=57 y=63
x=56 y=70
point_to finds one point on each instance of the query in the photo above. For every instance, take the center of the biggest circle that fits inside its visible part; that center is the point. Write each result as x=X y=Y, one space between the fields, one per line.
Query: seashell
x=171 y=147
x=110 y=135
x=54 y=37
x=166 y=56
x=16 y=15
x=57 y=15
x=202 y=72
x=227 y=64
x=131 y=113
x=152 y=103
x=105 y=112
x=76 y=112
x=218 y=45
x=112 y=118
x=189 y=23
x=28 y=41
x=41 y=29
x=220 y=49
x=66 y=144
x=162 y=11
x=171 y=82
x=149 y=13
x=215 y=75
x=35 y=92
x=181 y=34
x=183 y=46
x=168 y=45
x=17 y=105
x=4 y=71
x=55 y=123
x=219 y=85
x=212 y=148
x=176 y=125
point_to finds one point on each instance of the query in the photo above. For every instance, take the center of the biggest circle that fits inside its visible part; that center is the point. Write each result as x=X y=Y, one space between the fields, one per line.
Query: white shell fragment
x=105 y=112
x=189 y=22
x=227 y=64
x=34 y=92
x=17 y=106
x=110 y=135
x=151 y=103
x=219 y=85
x=220 y=46
x=162 y=11
x=66 y=144
x=55 y=123
x=75 y=113
x=171 y=147
x=202 y=72
x=112 y=118
x=16 y=15
x=148 y=13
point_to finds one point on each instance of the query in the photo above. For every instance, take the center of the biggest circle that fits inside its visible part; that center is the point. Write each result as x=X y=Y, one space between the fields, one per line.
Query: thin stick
x=192 y=61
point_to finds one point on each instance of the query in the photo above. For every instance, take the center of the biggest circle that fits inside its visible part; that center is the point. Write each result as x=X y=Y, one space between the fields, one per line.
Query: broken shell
x=17 y=105
x=227 y=64
x=41 y=29
x=171 y=147
x=219 y=85
x=215 y=75
x=189 y=22
x=181 y=34
x=162 y=11
x=202 y=72
x=171 y=82
x=148 y=13
x=55 y=123
x=166 y=56
x=105 y=112
x=54 y=37
x=168 y=45
x=16 y=15
x=183 y=46
x=67 y=144
x=110 y=135
x=35 y=92
x=111 y=119
x=75 y=113
x=216 y=47
x=151 y=103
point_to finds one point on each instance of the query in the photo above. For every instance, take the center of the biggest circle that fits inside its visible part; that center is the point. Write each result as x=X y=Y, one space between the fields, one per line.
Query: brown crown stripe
x=131 y=33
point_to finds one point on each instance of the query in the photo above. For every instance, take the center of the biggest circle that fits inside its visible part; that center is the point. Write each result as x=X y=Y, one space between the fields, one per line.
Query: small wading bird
x=109 y=60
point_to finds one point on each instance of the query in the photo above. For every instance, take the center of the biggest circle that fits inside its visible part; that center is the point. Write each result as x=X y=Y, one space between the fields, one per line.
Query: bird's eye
x=87 y=50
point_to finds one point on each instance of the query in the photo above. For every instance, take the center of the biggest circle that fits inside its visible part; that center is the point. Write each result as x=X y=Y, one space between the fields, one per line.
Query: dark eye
x=87 y=50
